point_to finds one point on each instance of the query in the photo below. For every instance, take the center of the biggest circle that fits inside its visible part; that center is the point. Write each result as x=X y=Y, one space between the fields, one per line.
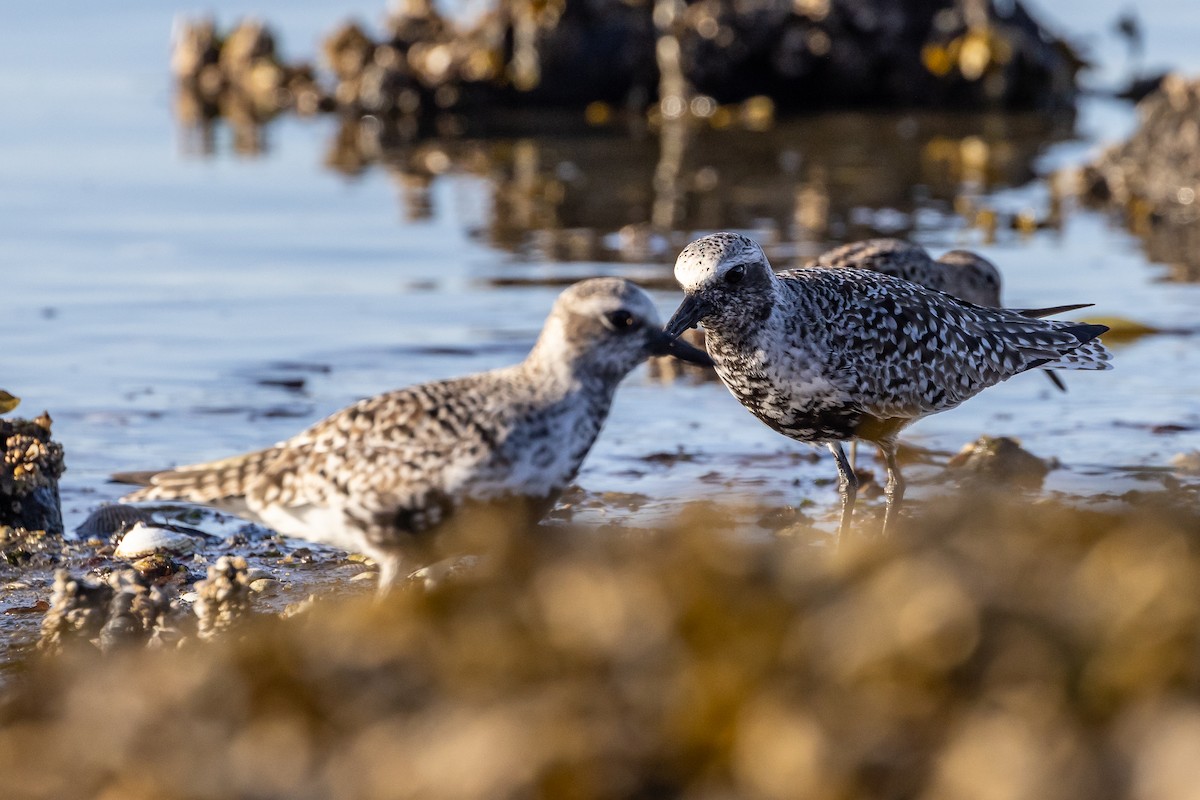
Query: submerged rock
x=1000 y=459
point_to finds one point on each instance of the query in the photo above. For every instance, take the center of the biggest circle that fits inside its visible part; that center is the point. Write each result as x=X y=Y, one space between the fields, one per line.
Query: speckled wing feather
x=389 y=452
x=210 y=482
x=400 y=453
x=904 y=351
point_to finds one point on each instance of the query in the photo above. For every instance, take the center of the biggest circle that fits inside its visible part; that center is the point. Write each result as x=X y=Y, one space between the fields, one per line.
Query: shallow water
x=155 y=293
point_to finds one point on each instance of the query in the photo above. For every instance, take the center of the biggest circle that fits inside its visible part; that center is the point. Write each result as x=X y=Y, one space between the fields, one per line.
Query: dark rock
x=32 y=464
x=674 y=58
x=994 y=460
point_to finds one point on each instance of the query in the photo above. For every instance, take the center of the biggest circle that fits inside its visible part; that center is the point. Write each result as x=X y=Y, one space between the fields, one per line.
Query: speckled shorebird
x=962 y=273
x=829 y=355
x=966 y=275
x=384 y=474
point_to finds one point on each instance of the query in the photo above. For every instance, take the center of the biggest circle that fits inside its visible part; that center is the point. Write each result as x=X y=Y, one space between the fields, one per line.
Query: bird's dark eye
x=621 y=321
x=735 y=274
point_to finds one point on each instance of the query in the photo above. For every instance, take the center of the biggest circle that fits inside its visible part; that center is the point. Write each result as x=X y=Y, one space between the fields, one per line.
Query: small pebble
x=1187 y=462
x=267 y=587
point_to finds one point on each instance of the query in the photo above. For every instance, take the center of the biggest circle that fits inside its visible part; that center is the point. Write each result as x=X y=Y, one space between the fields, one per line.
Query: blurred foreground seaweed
x=995 y=648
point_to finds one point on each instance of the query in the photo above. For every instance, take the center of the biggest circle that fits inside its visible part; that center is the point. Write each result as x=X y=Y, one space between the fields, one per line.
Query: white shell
x=144 y=540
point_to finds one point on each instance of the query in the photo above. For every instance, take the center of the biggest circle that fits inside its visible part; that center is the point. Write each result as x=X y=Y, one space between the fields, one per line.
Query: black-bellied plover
x=961 y=273
x=966 y=275
x=829 y=355
x=384 y=474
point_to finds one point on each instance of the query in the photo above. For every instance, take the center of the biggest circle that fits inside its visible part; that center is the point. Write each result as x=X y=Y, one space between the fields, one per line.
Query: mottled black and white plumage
x=381 y=475
x=829 y=355
x=961 y=273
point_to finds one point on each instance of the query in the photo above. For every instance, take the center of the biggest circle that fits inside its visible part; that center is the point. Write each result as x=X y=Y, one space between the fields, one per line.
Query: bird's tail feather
x=1038 y=313
x=200 y=483
x=1089 y=355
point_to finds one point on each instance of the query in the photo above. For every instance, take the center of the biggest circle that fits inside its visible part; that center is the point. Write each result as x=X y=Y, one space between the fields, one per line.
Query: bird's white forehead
x=701 y=259
x=598 y=296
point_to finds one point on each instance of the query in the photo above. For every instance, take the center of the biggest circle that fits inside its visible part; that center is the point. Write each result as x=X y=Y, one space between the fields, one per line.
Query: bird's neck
x=742 y=326
x=557 y=371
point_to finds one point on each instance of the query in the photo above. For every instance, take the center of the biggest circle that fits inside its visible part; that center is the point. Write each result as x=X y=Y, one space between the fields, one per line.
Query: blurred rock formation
x=670 y=57
x=1153 y=179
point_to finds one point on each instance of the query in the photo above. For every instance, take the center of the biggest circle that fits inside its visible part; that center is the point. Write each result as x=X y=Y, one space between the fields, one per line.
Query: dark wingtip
x=1086 y=331
x=1038 y=313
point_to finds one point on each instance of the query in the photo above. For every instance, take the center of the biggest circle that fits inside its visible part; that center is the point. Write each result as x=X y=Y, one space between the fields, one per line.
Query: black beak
x=662 y=344
x=690 y=312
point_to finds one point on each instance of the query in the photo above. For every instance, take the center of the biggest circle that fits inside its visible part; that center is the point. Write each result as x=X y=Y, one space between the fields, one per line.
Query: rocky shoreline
x=713 y=61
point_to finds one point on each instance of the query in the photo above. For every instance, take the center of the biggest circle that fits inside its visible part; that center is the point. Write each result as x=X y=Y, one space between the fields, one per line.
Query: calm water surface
x=150 y=289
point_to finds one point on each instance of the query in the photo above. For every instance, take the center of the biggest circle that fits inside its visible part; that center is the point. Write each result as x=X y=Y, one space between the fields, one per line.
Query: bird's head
x=604 y=327
x=726 y=280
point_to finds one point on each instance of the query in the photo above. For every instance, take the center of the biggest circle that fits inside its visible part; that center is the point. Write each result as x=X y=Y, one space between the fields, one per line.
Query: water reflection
x=639 y=195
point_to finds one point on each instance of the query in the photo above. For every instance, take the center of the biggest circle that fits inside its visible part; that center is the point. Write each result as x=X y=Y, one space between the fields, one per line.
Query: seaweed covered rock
x=1153 y=178
x=680 y=58
x=965 y=54
x=32 y=463
x=240 y=77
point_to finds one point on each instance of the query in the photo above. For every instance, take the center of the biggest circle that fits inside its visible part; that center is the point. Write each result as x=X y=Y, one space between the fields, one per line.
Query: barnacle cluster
x=223 y=597
x=31 y=459
x=123 y=608
x=30 y=465
x=141 y=606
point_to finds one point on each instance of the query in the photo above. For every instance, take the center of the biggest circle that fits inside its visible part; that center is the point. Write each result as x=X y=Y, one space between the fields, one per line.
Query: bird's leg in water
x=847 y=486
x=894 y=490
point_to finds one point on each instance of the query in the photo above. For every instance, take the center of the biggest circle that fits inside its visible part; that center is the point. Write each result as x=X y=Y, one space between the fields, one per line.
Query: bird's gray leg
x=847 y=486
x=854 y=454
x=389 y=573
x=894 y=490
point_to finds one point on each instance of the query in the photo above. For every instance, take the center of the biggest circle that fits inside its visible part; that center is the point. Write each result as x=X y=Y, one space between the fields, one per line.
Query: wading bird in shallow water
x=966 y=275
x=961 y=273
x=830 y=355
x=385 y=474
